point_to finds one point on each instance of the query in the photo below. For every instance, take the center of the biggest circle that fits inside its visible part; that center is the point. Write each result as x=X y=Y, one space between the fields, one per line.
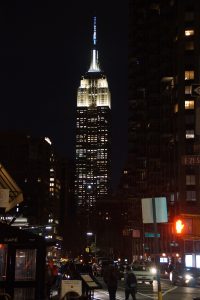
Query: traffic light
x=179 y=226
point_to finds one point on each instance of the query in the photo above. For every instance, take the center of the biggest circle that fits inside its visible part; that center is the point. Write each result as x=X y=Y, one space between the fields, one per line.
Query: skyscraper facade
x=34 y=163
x=164 y=115
x=93 y=140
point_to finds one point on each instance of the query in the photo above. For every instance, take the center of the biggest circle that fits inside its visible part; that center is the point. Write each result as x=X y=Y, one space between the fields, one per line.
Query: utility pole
x=154 y=210
x=157 y=249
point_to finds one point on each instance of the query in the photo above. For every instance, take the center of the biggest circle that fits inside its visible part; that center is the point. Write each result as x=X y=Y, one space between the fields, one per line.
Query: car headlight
x=188 y=277
x=153 y=270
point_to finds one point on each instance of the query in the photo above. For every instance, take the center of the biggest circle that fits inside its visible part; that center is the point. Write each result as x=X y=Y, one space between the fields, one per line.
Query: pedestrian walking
x=130 y=283
x=110 y=278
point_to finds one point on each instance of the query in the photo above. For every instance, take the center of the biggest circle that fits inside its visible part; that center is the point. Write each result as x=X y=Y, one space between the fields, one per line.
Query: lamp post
x=89 y=233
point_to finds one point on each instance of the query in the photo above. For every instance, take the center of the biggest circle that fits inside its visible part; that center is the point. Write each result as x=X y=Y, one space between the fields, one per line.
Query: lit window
x=189 y=32
x=125 y=172
x=189 y=104
x=189 y=75
x=190 y=195
x=176 y=108
x=189 y=45
x=188 y=89
x=189 y=134
x=190 y=180
x=39 y=179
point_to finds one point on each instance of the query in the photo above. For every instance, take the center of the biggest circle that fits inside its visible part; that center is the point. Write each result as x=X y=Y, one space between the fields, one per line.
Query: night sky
x=45 y=47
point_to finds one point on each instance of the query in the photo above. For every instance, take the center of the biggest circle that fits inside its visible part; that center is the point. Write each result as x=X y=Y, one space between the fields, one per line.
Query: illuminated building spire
x=95 y=33
x=93 y=145
x=94 y=65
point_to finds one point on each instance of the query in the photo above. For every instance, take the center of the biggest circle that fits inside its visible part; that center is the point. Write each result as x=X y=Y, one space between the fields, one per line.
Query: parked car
x=144 y=273
x=185 y=276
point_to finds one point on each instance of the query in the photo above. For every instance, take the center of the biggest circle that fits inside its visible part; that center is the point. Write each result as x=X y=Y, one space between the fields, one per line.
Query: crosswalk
x=103 y=295
x=145 y=291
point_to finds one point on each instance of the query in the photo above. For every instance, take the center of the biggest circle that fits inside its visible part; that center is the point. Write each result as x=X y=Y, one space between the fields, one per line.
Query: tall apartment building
x=93 y=140
x=33 y=163
x=164 y=118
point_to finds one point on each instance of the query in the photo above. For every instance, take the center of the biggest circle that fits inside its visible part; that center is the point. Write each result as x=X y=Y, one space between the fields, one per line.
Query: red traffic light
x=179 y=226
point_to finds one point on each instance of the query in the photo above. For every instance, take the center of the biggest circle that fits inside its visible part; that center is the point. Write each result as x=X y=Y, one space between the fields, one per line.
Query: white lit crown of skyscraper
x=99 y=95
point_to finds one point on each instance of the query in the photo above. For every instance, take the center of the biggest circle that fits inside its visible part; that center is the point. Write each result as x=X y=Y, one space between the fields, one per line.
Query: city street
x=147 y=291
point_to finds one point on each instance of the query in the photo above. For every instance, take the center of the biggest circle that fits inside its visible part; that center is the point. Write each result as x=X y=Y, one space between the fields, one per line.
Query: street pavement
x=148 y=291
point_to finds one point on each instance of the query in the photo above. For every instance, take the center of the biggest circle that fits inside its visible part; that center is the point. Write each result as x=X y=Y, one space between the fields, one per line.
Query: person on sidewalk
x=130 y=282
x=110 y=278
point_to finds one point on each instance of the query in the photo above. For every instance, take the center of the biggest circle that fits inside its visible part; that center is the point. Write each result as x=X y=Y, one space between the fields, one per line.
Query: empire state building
x=93 y=140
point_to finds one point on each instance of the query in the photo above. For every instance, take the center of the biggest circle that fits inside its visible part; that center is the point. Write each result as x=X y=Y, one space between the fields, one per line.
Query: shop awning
x=10 y=193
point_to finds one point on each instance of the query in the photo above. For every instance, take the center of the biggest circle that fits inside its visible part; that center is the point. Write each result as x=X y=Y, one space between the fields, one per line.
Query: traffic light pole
x=157 y=249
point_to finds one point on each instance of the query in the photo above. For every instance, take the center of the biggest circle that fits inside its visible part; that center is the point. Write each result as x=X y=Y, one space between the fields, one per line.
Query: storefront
x=22 y=264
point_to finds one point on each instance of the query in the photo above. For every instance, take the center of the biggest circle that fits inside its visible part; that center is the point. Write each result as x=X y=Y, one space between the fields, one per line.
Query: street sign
x=160 y=207
x=195 y=90
x=151 y=234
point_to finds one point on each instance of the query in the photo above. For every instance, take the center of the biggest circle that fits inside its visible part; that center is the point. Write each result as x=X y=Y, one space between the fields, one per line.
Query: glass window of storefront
x=25 y=264
x=3 y=261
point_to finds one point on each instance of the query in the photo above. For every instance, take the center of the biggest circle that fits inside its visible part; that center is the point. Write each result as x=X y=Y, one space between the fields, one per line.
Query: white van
x=144 y=273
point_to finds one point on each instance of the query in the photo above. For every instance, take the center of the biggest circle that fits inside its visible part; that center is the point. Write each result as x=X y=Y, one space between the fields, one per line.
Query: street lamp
x=89 y=233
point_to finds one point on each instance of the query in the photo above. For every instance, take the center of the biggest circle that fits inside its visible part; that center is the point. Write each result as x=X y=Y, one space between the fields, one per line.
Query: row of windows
x=83 y=198
x=90 y=153
x=189 y=44
x=96 y=156
x=99 y=158
x=83 y=188
x=189 y=104
x=90 y=177
x=84 y=168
